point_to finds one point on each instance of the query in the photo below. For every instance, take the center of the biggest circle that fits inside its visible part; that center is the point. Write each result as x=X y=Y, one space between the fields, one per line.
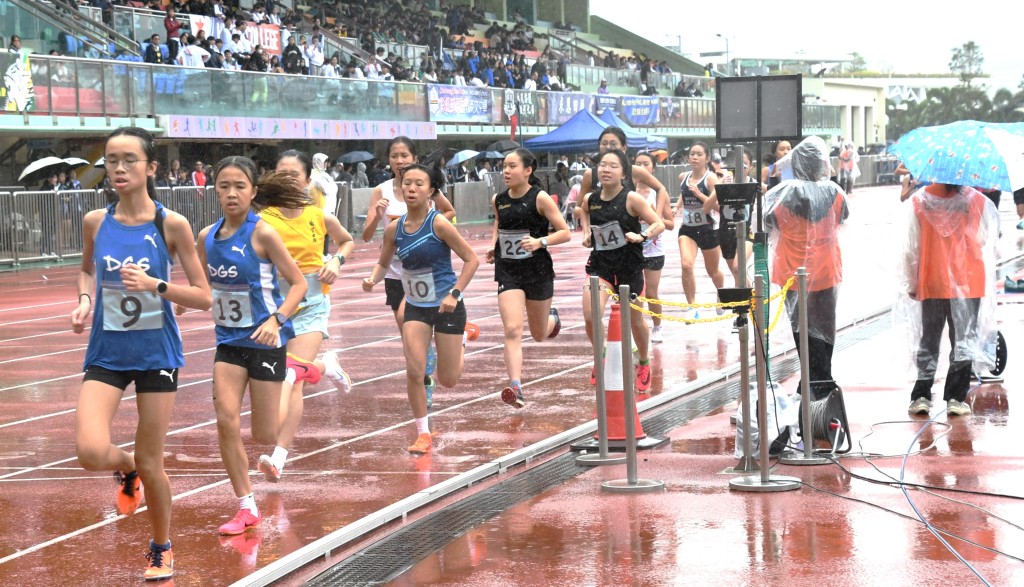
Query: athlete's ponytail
x=273 y=188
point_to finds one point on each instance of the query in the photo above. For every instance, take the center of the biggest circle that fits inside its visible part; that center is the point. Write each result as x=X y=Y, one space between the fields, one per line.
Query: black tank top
x=609 y=223
x=518 y=218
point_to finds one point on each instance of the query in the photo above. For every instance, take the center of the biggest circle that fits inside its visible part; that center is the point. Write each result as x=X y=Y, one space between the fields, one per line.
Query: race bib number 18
x=695 y=218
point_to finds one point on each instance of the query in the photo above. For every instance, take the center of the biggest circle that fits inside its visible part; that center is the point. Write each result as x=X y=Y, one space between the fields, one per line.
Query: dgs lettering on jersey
x=222 y=271
x=115 y=264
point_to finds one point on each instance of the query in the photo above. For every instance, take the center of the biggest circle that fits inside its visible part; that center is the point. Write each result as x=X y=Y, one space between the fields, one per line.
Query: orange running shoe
x=472 y=331
x=304 y=370
x=423 y=444
x=161 y=563
x=129 y=492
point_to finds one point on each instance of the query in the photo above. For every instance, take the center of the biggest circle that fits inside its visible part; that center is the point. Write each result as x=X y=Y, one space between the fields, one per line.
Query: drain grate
x=391 y=556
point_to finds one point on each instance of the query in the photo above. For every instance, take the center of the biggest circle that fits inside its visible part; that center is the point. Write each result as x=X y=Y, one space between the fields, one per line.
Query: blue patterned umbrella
x=977 y=154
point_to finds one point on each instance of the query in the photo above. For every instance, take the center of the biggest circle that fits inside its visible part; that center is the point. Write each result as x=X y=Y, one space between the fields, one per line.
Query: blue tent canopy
x=580 y=133
x=632 y=134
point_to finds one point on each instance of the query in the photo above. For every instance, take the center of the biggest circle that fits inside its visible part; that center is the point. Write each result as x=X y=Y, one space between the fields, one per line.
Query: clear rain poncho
x=947 y=264
x=322 y=189
x=803 y=220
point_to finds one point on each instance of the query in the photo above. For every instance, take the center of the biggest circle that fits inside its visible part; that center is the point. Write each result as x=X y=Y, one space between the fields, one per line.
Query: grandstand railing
x=87 y=87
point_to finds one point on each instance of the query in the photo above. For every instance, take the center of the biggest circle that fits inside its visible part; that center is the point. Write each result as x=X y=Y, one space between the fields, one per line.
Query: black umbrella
x=356 y=157
x=437 y=154
x=504 y=146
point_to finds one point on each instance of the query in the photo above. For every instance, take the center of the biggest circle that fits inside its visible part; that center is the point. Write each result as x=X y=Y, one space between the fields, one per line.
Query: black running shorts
x=155 y=380
x=261 y=364
x=443 y=322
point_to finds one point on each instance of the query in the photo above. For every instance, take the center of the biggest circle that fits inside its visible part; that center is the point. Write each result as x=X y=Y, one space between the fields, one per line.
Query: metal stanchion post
x=806 y=457
x=766 y=482
x=597 y=319
x=630 y=484
x=747 y=462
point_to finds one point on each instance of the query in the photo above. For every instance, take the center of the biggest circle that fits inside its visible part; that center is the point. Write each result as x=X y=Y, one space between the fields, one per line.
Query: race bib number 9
x=419 y=286
x=608 y=236
x=125 y=310
x=232 y=307
x=511 y=243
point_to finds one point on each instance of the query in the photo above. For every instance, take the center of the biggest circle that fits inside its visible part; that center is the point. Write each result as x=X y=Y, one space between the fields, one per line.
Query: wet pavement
x=349 y=458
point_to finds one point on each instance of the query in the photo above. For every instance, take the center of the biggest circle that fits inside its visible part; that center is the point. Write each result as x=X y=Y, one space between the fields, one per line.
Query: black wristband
x=86 y=295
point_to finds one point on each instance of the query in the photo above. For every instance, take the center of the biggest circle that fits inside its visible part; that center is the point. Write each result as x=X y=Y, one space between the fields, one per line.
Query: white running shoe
x=656 y=335
x=689 y=314
x=334 y=371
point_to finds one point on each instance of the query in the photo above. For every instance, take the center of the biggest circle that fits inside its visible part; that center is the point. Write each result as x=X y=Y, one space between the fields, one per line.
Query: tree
x=858 y=63
x=967 y=62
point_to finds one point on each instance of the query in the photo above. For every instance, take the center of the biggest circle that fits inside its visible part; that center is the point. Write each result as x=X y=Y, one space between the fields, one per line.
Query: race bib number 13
x=232 y=307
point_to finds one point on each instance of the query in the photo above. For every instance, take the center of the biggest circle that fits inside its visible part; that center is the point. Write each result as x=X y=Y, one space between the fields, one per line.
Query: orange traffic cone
x=614 y=383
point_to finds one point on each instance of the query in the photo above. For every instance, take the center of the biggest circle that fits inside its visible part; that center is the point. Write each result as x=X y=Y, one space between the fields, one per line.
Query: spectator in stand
x=291 y=56
x=274 y=17
x=603 y=88
x=193 y=55
x=153 y=51
x=531 y=82
x=315 y=57
x=229 y=62
x=275 y=65
x=173 y=28
x=198 y=177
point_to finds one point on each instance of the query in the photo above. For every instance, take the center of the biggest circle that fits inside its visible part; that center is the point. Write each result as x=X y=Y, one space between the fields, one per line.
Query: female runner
x=388 y=202
x=424 y=240
x=523 y=268
x=613 y=138
x=698 y=227
x=134 y=337
x=654 y=248
x=303 y=231
x=613 y=213
x=244 y=255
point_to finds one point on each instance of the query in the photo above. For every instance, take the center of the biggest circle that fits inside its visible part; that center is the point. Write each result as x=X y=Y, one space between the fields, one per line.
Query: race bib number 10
x=419 y=286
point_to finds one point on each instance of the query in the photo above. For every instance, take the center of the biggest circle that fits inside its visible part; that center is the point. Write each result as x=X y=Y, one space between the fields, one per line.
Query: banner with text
x=269 y=36
x=564 y=105
x=640 y=110
x=528 y=103
x=241 y=127
x=458 y=104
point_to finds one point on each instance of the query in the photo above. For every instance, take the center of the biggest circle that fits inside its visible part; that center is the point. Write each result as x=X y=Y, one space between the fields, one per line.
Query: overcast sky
x=904 y=36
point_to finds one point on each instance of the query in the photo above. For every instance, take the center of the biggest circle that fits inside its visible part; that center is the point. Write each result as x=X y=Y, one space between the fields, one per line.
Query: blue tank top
x=132 y=330
x=427 y=274
x=245 y=291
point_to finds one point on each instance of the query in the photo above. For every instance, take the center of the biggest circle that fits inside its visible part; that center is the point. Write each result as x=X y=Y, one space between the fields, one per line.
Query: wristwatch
x=544 y=242
x=455 y=293
x=161 y=287
x=281 y=318
x=644 y=235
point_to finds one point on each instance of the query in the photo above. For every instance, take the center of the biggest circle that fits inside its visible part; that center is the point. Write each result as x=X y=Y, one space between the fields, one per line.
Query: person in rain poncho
x=803 y=221
x=360 y=180
x=322 y=189
x=948 y=278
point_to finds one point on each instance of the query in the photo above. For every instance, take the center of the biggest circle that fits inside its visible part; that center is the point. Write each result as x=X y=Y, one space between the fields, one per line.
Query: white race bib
x=125 y=310
x=419 y=286
x=232 y=306
x=608 y=236
x=695 y=218
x=511 y=243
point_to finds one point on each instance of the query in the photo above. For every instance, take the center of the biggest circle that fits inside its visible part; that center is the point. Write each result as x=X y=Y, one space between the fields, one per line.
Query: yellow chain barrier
x=717 y=318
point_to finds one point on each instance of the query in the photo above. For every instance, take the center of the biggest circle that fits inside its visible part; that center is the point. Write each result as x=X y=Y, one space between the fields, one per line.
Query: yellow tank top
x=303 y=237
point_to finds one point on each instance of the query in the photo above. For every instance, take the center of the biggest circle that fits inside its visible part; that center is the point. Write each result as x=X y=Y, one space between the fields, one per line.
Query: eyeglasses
x=112 y=165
